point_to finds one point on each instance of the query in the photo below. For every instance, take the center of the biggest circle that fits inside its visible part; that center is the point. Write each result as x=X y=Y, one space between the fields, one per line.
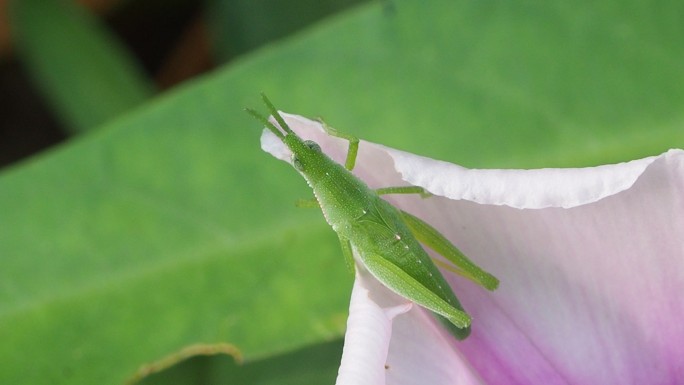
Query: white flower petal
x=418 y=352
x=369 y=329
x=523 y=189
x=274 y=146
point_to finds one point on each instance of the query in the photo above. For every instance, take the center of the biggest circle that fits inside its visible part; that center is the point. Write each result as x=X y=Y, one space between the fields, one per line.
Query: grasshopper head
x=306 y=154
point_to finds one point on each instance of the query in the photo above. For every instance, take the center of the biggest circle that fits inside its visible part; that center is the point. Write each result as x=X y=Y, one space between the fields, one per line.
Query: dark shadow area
x=315 y=364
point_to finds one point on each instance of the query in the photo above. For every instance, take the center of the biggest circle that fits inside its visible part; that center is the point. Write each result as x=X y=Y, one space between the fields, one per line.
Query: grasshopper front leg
x=353 y=149
x=350 y=162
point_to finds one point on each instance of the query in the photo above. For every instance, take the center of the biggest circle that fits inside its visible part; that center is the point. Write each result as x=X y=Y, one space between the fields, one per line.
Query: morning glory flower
x=591 y=264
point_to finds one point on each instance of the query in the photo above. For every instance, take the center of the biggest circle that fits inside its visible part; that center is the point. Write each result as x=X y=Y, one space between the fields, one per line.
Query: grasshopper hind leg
x=458 y=333
x=405 y=285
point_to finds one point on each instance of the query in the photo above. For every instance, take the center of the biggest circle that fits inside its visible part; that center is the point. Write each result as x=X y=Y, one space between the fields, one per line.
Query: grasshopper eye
x=297 y=163
x=312 y=145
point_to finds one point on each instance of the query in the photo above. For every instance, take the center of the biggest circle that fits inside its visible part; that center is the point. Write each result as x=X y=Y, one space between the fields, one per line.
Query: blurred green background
x=139 y=217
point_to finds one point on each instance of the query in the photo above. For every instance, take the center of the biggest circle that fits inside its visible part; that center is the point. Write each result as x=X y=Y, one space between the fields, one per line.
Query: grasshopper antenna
x=274 y=112
x=266 y=123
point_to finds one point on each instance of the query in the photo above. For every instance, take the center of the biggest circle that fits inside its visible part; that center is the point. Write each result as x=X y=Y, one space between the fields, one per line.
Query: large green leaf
x=170 y=227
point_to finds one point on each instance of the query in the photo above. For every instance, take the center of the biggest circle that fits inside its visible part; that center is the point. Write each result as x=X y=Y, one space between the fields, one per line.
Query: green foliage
x=83 y=71
x=239 y=26
x=168 y=226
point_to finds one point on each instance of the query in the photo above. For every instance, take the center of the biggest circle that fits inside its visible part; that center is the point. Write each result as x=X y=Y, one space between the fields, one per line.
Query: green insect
x=386 y=239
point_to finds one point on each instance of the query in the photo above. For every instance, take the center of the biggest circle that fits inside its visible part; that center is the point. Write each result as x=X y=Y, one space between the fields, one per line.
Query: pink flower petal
x=590 y=294
x=591 y=263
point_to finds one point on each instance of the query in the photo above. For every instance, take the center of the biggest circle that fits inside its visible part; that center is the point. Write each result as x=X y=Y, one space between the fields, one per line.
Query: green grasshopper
x=386 y=239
